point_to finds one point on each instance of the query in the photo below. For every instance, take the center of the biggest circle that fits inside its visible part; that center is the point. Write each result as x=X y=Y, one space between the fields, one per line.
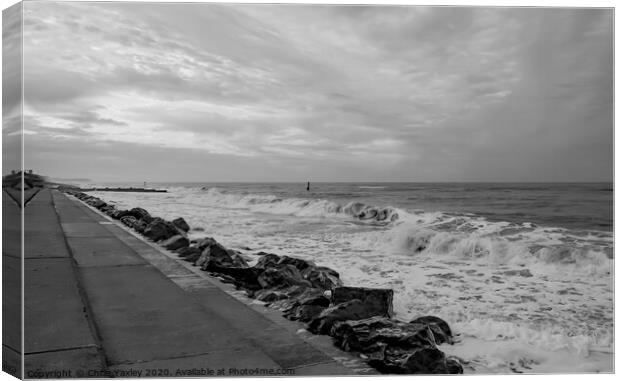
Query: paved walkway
x=100 y=301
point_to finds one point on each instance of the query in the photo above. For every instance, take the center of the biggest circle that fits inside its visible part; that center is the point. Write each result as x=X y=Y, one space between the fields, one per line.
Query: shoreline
x=359 y=320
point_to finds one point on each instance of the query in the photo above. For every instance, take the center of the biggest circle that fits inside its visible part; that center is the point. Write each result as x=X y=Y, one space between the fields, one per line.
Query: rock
x=205 y=242
x=129 y=220
x=300 y=264
x=193 y=256
x=372 y=334
x=378 y=300
x=322 y=277
x=160 y=229
x=199 y=229
x=307 y=306
x=281 y=276
x=175 y=242
x=97 y=203
x=441 y=330
x=242 y=277
x=394 y=346
x=267 y=260
x=117 y=214
x=425 y=360
x=141 y=214
x=269 y=296
x=137 y=213
x=181 y=224
x=350 y=310
x=140 y=226
x=220 y=256
x=288 y=296
x=188 y=250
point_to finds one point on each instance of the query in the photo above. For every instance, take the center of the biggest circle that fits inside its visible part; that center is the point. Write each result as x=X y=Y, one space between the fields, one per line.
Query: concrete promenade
x=99 y=300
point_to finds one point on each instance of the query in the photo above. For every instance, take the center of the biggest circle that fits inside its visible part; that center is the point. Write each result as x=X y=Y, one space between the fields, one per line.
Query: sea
x=523 y=273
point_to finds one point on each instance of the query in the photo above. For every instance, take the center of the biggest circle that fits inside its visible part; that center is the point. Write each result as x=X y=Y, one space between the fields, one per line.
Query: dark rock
x=181 y=224
x=394 y=346
x=373 y=334
x=117 y=214
x=193 y=256
x=269 y=295
x=300 y=264
x=322 y=277
x=141 y=214
x=205 y=242
x=160 y=229
x=137 y=213
x=307 y=306
x=199 y=229
x=175 y=242
x=441 y=330
x=242 y=277
x=351 y=310
x=220 y=256
x=377 y=300
x=97 y=203
x=267 y=260
x=292 y=294
x=281 y=276
x=425 y=360
x=128 y=220
x=189 y=250
x=140 y=226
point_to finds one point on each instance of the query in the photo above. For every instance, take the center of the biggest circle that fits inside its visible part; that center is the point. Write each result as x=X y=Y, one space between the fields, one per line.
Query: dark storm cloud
x=365 y=92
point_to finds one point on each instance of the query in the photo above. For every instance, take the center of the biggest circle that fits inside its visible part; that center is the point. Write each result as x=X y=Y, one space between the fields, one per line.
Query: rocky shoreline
x=360 y=320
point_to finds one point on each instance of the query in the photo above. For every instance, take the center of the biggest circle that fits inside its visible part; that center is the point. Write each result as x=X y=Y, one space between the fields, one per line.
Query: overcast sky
x=195 y=92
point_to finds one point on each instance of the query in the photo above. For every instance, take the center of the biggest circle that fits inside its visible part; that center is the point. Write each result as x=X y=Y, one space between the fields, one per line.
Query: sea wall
x=358 y=319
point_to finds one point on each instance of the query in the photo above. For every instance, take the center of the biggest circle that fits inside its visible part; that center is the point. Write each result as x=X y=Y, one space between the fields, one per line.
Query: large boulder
x=378 y=300
x=322 y=277
x=117 y=214
x=140 y=226
x=242 y=277
x=129 y=221
x=300 y=264
x=425 y=360
x=393 y=346
x=137 y=213
x=141 y=214
x=205 y=242
x=189 y=250
x=267 y=260
x=351 y=310
x=181 y=224
x=216 y=254
x=160 y=229
x=175 y=242
x=440 y=329
x=281 y=276
x=307 y=306
x=97 y=203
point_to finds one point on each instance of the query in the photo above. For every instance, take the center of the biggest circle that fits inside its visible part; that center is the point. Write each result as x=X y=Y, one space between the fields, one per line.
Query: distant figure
x=308 y=187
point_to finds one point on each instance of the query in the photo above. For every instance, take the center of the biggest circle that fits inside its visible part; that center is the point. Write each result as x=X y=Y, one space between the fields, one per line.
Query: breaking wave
x=299 y=206
x=474 y=238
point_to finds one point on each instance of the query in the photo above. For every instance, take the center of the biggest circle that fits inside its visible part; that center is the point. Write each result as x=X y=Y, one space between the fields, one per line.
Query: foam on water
x=520 y=297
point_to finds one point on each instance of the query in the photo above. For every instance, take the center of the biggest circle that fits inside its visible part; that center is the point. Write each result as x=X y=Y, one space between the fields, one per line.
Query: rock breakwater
x=359 y=320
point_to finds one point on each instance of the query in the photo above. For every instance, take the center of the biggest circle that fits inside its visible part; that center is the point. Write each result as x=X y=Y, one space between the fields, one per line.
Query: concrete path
x=11 y=286
x=102 y=302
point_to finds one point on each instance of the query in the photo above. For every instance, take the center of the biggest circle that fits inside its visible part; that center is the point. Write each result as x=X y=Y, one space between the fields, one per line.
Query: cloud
x=402 y=93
